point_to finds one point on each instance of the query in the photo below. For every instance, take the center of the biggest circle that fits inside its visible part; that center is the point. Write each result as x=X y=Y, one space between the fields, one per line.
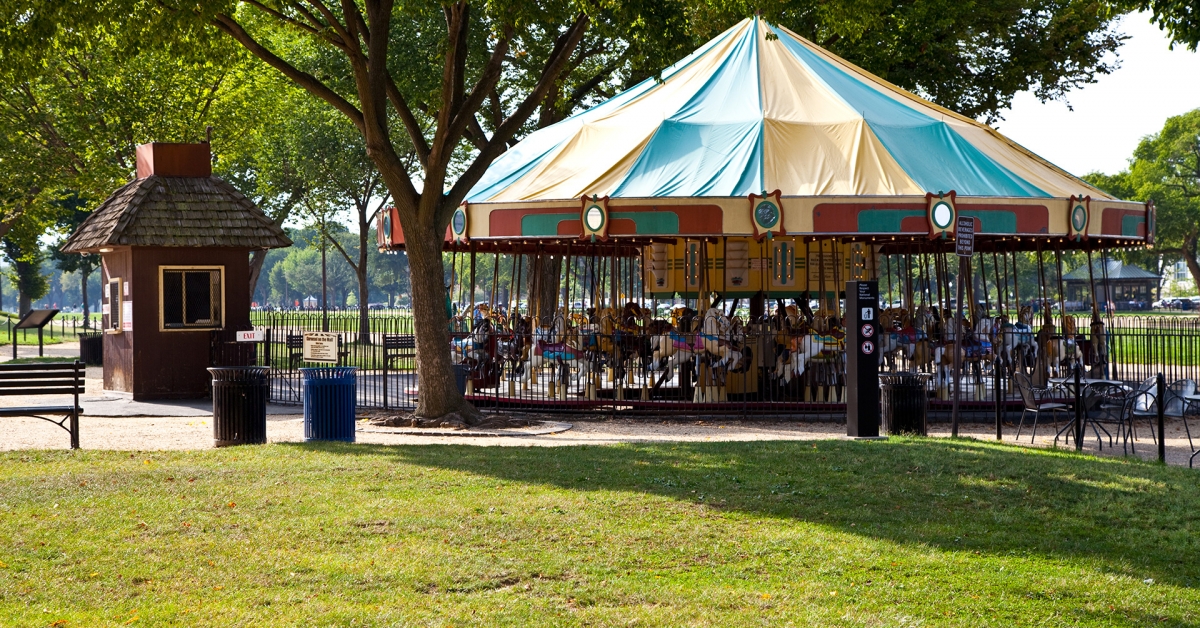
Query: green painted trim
x=884 y=220
x=543 y=224
x=993 y=221
x=888 y=220
x=645 y=223
x=1129 y=225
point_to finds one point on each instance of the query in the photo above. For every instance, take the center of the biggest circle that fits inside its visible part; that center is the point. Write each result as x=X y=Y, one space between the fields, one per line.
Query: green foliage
x=1165 y=169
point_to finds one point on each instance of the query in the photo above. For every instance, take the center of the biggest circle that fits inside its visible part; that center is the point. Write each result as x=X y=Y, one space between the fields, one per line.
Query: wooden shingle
x=176 y=211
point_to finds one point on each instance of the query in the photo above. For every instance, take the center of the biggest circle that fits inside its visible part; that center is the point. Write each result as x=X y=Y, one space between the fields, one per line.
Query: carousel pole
x=964 y=268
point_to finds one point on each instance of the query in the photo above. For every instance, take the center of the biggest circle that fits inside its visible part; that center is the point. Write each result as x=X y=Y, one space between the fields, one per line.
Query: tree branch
x=564 y=46
x=305 y=80
x=415 y=133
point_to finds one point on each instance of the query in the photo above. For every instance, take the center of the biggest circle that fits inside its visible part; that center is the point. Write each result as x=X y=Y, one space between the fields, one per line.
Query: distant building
x=1129 y=287
x=310 y=302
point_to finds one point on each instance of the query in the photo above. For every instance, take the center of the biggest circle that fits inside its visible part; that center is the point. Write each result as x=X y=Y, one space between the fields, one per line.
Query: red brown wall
x=118 y=348
x=154 y=364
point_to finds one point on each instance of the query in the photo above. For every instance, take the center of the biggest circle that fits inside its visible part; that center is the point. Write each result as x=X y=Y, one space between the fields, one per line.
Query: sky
x=1113 y=114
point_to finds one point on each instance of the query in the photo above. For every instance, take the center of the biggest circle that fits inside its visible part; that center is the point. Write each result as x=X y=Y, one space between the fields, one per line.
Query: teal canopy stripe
x=928 y=150
x=519 y=160
x=711 y=146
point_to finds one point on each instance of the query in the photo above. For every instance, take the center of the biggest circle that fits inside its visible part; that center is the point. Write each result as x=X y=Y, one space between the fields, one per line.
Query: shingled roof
x=176 y=211
x=1116 y=270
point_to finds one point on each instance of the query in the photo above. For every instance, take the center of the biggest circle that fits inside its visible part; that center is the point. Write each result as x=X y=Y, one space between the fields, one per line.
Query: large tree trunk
x=1189 y=255
x=256 y=265
x=544 y=281
x=24 y=301
x=439 y=395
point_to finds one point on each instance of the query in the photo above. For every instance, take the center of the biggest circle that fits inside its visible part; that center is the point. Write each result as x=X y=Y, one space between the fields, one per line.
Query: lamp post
x=324 y=302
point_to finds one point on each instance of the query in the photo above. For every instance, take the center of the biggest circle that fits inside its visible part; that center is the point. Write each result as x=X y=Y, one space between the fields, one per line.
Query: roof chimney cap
x=174 y=160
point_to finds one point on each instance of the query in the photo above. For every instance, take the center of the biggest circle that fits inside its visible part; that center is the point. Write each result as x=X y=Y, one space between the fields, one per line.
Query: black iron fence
x=757 y=370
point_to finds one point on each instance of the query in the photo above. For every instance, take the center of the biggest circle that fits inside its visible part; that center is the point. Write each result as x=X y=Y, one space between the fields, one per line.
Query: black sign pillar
x=862 y=359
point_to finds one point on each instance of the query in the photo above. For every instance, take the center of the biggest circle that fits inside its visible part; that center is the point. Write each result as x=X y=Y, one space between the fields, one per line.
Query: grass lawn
x=911 y=532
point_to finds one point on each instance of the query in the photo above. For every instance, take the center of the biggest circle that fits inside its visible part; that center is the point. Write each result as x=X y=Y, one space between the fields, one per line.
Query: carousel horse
x=630 y=337
x=1064 y=350
x=674 y=345
x=480 y=358
x=512 y=347
x=1016 y=340
x=923 y=351
x=786 y=325
x=896 y=335
x=827 y=366
x=559 y=346
x=715 y=337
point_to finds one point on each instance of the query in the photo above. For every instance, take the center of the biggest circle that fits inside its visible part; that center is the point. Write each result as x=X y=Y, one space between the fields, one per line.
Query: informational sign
x=862 y=359
x=821 y=264
x=964 y=236
x=254 y=335
x=320 y=346
x=127 y=316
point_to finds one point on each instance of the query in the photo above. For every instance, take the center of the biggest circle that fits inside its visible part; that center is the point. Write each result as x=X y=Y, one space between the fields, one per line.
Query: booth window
x=191 y=297
x=114 y=305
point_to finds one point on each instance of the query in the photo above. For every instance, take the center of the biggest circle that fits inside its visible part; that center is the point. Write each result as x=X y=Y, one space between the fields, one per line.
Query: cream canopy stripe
x=747 y=113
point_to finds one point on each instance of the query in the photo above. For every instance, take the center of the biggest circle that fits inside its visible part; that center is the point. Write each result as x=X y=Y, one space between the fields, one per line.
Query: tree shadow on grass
x=1133 y=518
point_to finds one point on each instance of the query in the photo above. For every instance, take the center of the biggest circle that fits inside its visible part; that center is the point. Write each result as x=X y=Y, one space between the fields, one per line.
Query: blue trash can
x=329 y=397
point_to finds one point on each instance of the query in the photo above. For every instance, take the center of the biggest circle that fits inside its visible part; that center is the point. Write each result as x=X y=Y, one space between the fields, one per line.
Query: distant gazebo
x=175 y=249
x=1122 y=284
x=310 y=302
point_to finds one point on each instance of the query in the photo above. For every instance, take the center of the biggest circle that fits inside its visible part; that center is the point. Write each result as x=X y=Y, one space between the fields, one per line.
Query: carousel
x=689 y=240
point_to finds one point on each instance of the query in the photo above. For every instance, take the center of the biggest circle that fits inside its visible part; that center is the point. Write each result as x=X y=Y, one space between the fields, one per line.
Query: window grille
x=191 y=297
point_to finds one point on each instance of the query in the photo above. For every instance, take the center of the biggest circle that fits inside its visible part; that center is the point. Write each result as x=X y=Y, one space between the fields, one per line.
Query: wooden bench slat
x=38 y=410
x=37 y=383
x=42 y=366
x=39 y=375
x=60 y=390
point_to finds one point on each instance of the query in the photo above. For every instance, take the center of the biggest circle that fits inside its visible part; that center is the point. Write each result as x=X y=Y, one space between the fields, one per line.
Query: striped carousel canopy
x=760 y=108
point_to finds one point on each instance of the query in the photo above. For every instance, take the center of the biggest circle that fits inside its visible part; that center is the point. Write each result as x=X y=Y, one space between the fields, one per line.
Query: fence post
x=1078 y=412
x=1162 y=435
x=998 y=393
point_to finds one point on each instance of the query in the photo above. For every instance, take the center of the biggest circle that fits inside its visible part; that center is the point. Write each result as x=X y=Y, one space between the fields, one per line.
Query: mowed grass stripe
x=836 y=533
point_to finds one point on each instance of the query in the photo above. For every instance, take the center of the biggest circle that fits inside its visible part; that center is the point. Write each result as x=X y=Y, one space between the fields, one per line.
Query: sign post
x=964 y=246
x=862 y=359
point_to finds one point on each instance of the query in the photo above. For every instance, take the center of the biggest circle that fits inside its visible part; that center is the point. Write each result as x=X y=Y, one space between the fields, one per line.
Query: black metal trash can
x=239 y=405
x=91 y=348
x=329 y=401
x=905 y=404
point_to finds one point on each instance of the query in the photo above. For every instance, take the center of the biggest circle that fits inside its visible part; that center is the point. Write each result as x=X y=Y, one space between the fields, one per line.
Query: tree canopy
x=1165 y=169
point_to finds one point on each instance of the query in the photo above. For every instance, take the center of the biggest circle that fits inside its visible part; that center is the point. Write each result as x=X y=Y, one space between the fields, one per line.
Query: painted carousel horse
x=896 y=336
x=556 y=345
x=480 y=358
x=785 y=326
x=674 y=344
x=512 y=347
x=716 y=340
x=1016 y=341
x=630 y=338
x=827 y=367
x=1064 y=350
x=924 y=349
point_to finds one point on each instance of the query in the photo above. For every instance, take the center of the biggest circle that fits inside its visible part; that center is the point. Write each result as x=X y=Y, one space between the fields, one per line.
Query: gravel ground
x=146 y=433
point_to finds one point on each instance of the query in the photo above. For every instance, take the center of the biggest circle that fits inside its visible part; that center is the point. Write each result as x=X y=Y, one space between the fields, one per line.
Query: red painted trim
x=693 y=219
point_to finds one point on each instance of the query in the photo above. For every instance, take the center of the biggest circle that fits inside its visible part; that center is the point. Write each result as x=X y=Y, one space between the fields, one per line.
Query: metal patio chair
x=1037 y=400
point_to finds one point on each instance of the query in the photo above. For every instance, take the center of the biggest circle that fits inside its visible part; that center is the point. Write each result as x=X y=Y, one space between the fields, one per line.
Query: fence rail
x=618 y=373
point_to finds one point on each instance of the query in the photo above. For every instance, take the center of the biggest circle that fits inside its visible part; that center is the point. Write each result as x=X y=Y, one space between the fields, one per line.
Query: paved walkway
x=114 y=421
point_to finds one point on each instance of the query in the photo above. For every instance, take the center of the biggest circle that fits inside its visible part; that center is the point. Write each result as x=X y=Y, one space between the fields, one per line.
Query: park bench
x=59 y=378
